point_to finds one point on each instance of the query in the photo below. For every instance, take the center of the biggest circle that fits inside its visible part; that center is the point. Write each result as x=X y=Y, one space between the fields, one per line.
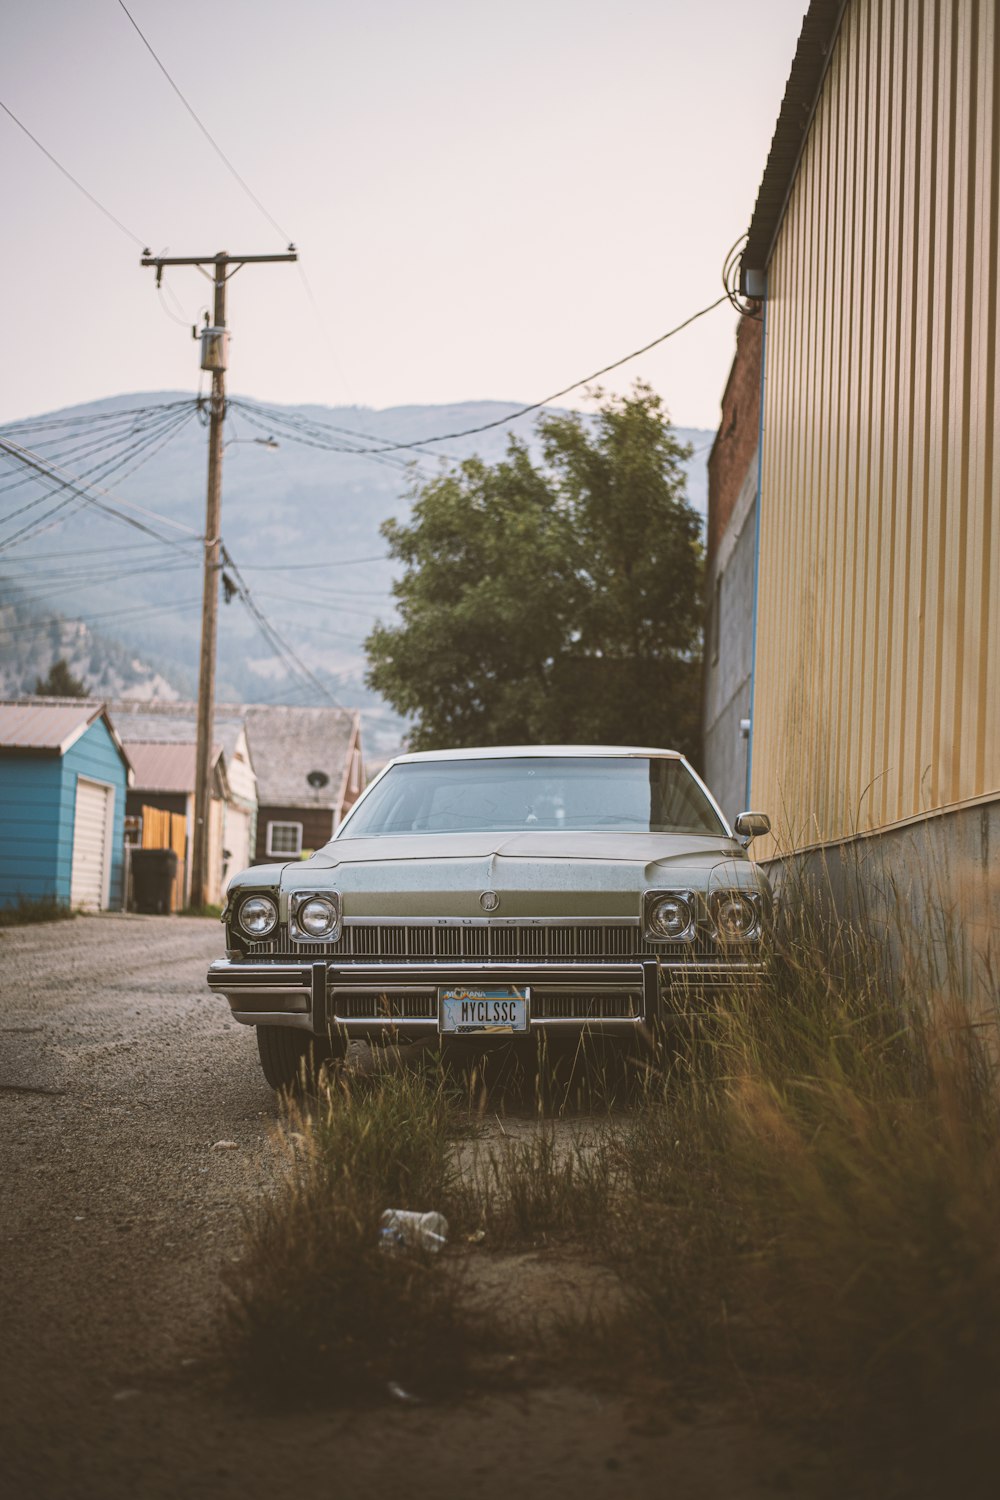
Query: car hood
x=613 y=846
x=534 y=874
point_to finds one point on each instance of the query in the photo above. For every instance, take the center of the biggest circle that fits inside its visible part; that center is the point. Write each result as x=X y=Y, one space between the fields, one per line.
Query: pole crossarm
x=211 y=260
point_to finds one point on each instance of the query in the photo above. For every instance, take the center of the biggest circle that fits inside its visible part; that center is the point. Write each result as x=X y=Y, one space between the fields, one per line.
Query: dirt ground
x=119 y=1074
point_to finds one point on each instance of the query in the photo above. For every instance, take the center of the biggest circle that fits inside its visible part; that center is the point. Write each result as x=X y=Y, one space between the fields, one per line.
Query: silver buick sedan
x=491 y=894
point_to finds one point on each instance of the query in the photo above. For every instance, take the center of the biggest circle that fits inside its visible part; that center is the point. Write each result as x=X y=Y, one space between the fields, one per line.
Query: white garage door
x=91 y=875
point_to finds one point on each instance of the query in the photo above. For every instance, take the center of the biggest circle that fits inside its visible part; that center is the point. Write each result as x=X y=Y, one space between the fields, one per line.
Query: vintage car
x=494 y=894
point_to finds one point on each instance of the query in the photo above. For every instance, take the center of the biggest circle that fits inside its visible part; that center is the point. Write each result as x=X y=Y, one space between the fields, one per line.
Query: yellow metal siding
x=878 y=650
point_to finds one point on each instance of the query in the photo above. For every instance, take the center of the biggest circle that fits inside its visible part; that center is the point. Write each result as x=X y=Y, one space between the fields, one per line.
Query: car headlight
x=258 y=915
x=736 y=915
x=314 y=917
x=669 y=916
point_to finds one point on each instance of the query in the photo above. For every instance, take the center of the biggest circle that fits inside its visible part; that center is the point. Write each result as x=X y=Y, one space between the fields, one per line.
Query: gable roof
x=286 y=744
x=51 y=726
x=165 y=768
x=176 y=724
x=812 y=56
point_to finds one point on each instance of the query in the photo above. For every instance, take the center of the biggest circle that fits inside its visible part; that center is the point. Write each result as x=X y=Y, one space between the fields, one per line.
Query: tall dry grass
x=801 y=1204
x=316 y=1310
x=546 y=1185
x=815 y=1216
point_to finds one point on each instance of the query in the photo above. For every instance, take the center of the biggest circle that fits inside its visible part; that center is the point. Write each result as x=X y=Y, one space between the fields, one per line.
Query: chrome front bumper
x=368 y=1000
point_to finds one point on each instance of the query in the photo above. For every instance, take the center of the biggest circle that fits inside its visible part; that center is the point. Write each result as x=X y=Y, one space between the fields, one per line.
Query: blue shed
x=63 y=776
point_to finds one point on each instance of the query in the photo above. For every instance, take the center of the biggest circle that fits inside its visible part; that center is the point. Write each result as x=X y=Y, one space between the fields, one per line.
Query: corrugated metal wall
x=877 y=692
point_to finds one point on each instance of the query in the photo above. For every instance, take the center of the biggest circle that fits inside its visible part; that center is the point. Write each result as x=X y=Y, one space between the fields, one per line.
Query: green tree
x=60 y=682
x=555 y=603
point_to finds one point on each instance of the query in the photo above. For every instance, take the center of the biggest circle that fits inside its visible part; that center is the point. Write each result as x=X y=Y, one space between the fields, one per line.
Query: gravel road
x=119 y=1074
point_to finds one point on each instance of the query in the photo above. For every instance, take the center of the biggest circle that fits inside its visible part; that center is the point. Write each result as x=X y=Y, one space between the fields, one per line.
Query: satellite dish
x=318 y=779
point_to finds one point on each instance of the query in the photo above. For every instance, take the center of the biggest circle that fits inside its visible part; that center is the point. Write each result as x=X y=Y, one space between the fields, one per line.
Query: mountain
x=301 y=523
x=32 y=639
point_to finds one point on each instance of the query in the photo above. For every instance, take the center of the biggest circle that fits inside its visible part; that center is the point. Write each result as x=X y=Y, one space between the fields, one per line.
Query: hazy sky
x=490 y=200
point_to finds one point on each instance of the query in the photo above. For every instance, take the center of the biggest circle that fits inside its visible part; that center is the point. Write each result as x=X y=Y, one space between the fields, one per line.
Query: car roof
x=507 y=752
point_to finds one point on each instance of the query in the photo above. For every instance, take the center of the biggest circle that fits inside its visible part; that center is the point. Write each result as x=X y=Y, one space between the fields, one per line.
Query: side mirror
x=750 y=825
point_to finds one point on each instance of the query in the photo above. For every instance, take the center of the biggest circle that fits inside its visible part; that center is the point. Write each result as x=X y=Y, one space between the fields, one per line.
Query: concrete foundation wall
x=927 y=892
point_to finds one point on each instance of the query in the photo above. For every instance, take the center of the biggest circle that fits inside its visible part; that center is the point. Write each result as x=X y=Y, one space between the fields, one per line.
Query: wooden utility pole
x=214 y=349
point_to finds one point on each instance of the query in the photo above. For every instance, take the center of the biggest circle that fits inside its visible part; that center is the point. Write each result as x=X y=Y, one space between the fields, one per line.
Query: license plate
x=483 y=1009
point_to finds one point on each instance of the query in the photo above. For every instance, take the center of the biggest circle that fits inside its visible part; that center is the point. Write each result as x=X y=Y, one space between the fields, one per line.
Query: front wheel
x=290 y=1058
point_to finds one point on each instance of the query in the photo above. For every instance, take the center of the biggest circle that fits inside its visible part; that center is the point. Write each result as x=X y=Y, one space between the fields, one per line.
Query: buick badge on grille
x=489 y=901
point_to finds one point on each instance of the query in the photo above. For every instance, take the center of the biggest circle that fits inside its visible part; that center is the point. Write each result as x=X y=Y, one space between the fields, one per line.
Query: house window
x=284 y=838
x=356 y=771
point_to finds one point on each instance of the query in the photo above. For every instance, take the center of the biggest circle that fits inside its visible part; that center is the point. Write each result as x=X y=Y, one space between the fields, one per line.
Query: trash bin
x=153 y=874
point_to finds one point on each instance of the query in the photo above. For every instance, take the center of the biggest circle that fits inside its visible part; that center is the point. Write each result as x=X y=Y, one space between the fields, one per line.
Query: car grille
x=485 y=944
x=385 y=1005
x=610 y=1006
x=406 y=1005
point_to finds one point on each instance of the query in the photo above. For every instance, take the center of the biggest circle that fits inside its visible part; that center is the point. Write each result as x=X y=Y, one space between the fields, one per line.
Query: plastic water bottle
x=402 y=1229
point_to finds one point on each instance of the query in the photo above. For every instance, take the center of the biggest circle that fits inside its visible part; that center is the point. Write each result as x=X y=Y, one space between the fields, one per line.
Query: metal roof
x=812 y=56
x=51 y=726
x=286 y=744
x=164 y=767
x=174 y=723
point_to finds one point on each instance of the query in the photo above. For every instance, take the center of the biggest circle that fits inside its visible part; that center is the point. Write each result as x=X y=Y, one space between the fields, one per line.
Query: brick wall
x=737 y=440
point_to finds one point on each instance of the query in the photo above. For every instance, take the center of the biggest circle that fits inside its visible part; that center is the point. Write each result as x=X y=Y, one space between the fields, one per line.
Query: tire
x=284 y=1050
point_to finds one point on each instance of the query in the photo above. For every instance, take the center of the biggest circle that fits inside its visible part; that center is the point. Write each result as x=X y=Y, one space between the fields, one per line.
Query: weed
x=591 y=1075
x=34 y=909
x=527 y=1188
x=316 y=1309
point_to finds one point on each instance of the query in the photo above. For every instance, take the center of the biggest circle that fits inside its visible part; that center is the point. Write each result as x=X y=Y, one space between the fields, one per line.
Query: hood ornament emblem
x=489 y=901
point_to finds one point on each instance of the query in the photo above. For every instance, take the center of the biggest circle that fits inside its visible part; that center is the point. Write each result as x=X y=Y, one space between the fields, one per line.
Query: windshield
x=631 y=794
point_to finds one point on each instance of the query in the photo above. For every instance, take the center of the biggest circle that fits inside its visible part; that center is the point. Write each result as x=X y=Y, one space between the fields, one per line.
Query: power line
x=78 y=490
x=316 y=425
x=315 y=601
x=131 y=547
x=182 y=322
x=48 y=468
x=69 y=176
x=104 y=469
x=70 y=582
x=747 y=307
x=323 y=632
x=36 y=625
x=334 y=593
x=271 y=635
x=340 y=562
x=82 y=444
x=523 y=411
x=82 y=418
x=320 y=320
x=204 y=128
x=298 y=432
